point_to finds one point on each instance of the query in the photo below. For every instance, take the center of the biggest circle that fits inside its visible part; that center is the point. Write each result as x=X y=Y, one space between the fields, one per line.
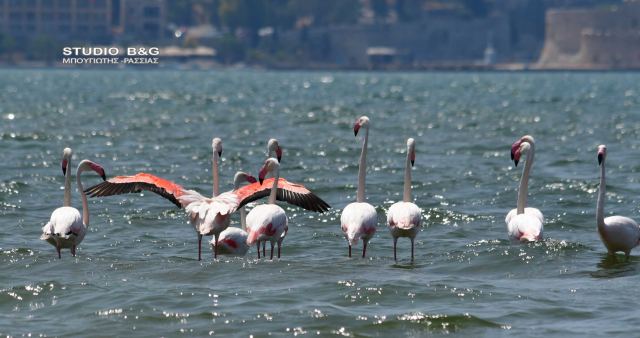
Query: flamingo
x=523 y=223
x=201 y=209
x=273 y=150
x=233 y=241
x=268 y=222
x=404 y=218
x=618 y=233
x=212 y=226
x=358 y=219
x=66 y=228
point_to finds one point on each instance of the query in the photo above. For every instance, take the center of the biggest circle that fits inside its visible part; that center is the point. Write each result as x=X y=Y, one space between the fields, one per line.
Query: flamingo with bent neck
x=267 y=222
x=66 y=229
x=358 y=219
x=524 y=223
x=618 y=233
x=405 y=218
x=233 y=241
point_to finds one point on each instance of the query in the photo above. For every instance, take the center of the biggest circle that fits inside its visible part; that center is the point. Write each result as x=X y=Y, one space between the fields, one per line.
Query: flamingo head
x=274 y=147
x=90 y=165
x=66 y=157
x=241 y=177
x=518 y=147
x=270 y=165
x=602 y=153
x=362 y=121
x=216 y=144
x=411 y=150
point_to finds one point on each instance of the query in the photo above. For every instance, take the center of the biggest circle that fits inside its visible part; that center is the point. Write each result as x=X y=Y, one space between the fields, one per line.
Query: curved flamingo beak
x=514 y=148
x=600 y=156
x=99 y=170
x=413 y=158
x=262 y=174
x=516 y=157
x=279 y=153
x=356 y=127
x=64 y=167
x=220 y=153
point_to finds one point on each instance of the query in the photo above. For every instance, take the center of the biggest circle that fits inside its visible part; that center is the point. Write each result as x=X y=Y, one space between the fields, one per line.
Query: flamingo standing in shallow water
x=405 y=218
x=273 y=150
x=358 y=219
x=523 y=223
x=233 y=241
x=66 y=228
x=618 y=233
x=217 y=224
x=268 y=222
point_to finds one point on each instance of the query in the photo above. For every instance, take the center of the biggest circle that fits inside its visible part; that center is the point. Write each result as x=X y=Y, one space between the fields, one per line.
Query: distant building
x=600 y=38
x=79 y=20
x=433 y=40
x=88 y=21
x=143 y=19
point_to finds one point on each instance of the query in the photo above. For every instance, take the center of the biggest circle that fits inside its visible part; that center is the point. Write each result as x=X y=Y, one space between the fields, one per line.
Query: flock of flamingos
x=268 y=222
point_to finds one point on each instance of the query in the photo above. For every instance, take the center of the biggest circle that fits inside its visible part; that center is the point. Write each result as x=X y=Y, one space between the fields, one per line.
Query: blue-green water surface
x=136 y=272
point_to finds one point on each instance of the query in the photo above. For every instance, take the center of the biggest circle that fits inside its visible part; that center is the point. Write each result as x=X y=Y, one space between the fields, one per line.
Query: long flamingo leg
x=258 y=246
x=271 y=251
x=264 y=250
x=395 y=241
x=364 y=248
x=279 y=245
x=73 y=251
x=58 y=250
x=412 y=248
x=199 y=247
x=215 y=251
x=349 y=250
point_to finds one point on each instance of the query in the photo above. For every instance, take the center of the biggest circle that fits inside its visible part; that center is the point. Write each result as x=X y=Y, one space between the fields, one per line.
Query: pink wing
x=292 y=193
x=138 y=182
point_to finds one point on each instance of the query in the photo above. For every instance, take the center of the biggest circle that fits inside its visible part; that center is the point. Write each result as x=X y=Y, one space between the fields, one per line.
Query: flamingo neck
x=362 y=169
x=243 y=218
x=67 y=185
x=406 y=197
x=83 y=196
x=601 y=197
x=274 y=188
x=216 y=179
x=523 y=190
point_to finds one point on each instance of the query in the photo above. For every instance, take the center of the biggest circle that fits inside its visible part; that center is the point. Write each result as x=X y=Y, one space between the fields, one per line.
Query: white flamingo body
x=232 y=242
x=618 y=233
x=533 y=212
x=404 y=218
x=67 y=228
x=524 y=223
x=358 y=220
x=525 y=227
x=268 y=222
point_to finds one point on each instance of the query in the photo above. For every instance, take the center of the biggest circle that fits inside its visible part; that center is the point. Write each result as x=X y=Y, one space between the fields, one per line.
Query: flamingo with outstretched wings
x=207 y=209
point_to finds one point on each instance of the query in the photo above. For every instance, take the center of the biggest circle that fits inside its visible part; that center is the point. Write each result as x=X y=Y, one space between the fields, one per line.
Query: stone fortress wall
x=599 y=38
